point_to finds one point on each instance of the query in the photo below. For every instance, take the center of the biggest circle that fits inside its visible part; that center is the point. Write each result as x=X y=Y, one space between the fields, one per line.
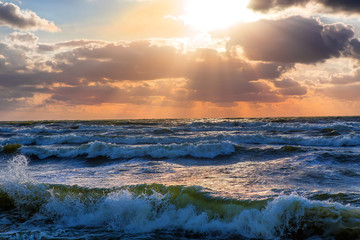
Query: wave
x=114 y=151
x=96 y=149
x=345 y=125
x=208 y=150
x=343 y=157
x=329 y=138
x=27 y=206
x=149 y=208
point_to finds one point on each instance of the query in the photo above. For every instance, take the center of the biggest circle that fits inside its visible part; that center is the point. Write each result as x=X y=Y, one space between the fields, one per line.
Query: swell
x=98 y=149
x=149 y=208
x=166 y=144
x=116 y=151
x=325 y=137
x=144 y=208
x=209 y=150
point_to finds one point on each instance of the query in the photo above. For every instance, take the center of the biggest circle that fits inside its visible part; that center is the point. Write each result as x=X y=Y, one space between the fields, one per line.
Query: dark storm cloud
x=346 y=5
x=94 y=95
x=290 y=87
x=291 y=40
x=10 y=104
x=110 y=62
x=266 y=5
x=216 y=79
x=294 y=91
x=12 y=16
x=134 y=61
x=18 y=79
x=286 y=83
x=354 y=48
x=91 y=72
x=20 y=92
x=12 y=98
x=211 y=76
x=335 y=5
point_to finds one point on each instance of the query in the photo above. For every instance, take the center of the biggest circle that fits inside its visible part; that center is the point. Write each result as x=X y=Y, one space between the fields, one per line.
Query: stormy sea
x=259 y=178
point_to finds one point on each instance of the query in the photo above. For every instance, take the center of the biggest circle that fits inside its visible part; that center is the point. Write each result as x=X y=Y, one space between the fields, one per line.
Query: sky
x=121 y=59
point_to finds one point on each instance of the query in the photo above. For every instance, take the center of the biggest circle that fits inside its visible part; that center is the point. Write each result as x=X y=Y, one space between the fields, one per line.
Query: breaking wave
x=114 y=151
x=158 y=208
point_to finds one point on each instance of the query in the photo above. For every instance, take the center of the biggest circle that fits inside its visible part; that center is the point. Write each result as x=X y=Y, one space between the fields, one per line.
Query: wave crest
x=149 y=208
x=114 y=151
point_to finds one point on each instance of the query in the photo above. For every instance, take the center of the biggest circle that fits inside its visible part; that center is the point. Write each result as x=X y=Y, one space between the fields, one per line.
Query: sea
x=243 y=178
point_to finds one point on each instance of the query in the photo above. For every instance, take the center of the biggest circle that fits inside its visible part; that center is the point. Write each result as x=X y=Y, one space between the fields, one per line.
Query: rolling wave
x=150 y=208
x=115 y=151
x=234 y=137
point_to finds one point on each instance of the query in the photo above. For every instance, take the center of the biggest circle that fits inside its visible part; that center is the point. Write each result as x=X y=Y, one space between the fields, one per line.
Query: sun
x=207 y=15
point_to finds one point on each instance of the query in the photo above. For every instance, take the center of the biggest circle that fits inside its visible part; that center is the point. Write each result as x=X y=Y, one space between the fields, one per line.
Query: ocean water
x=265 y=178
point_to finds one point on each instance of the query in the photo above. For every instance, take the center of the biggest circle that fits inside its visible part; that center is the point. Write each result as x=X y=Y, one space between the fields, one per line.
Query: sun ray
x=207 y=15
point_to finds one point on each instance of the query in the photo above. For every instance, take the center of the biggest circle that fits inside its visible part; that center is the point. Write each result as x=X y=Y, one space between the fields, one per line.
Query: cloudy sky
x=103 y=59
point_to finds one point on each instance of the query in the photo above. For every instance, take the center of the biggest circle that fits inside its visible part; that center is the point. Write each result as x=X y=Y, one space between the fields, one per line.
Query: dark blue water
x=286 y=178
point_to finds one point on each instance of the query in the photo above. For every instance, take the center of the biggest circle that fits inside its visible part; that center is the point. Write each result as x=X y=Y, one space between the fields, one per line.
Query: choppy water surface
x=285 y=178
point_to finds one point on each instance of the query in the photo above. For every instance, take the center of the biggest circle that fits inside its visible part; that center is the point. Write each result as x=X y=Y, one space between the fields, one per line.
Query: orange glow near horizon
x=181 y=59
x=315 y=106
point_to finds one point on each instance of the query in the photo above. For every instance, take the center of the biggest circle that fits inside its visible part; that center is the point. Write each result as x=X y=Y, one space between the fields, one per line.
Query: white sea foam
x=114 y=151
x=125 y=211
x=122 y=211
x=39 y=129
x=351 y=139
x=16 y=171
x=19 y=185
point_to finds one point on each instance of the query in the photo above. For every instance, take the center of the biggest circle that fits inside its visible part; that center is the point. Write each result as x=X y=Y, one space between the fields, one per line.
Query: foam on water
x=16 y=171
x=125 y=211
x=243 y=137
x=149 y=208
x=114 y=151
x=264 y=161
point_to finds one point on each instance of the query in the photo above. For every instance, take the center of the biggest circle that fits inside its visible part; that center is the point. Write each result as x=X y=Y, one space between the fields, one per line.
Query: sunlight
x=207 y=15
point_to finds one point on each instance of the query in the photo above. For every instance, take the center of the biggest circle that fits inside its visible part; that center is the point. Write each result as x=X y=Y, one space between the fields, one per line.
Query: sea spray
x=286 y=178
x=16 y=171
x=23 y=192
x=128 y=211
x=115 y=151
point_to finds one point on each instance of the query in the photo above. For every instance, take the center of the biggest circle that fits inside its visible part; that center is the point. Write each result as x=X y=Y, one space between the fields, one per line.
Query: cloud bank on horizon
x=282 y=63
